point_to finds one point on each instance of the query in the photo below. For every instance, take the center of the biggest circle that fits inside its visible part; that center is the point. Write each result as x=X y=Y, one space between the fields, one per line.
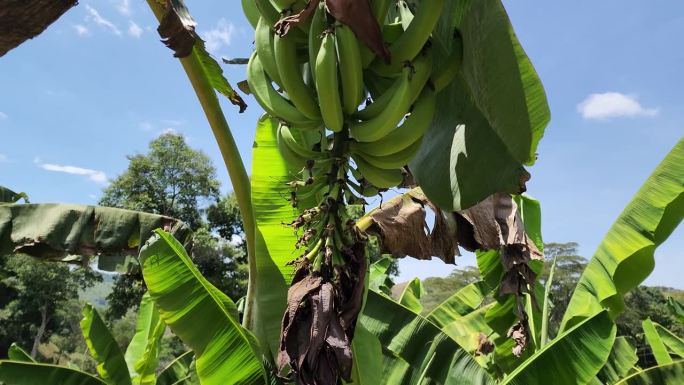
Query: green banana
x=410 y=131
x=291 y=76
x=422 y=67
x=396 y=160
x=294 y=162
x=268 y=12
x=378 y=177
x=249 y=8
x=286 y=135
x=351 y=68
x=412 y=41
x=318 y=25
x=263 y=42
x=270 y=100
x=382 y=124
x=327 y=85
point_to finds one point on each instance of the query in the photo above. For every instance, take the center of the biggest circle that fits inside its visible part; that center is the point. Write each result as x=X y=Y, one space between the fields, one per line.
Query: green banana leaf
x=59 y=231
x=472 y=149
x=460 y=304
x=674 y=344
x=16 y=353
x=625 y=256
x=31 y=373
x=274 y=241
x=177 y=371
x=657 y=345
x=573 y=358
x=676 y=308
x=621 y=361
x=379 y=279
x=142 y=353
x=415 y=351
x=104 y=349
x=9 y=196
x=198 y=313
x=410 y=297
x=671 y=374
x=367 y=358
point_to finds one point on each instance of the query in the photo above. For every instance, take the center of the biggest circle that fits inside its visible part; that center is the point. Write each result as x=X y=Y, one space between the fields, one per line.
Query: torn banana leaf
x=32 y=373
x=74 y=232
x=671 y=374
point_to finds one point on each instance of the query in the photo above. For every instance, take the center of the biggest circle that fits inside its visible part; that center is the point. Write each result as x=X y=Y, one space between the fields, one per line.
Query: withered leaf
x=484 y=345
x=283 y=26
x=358 y=15
x=177 y=29
x=402 y=227
x=519 y=334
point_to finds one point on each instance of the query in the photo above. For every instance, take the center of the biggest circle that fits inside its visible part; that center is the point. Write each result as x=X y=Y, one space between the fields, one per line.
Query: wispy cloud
x=3 y=116
x=93 y=175
x=95 y=17
x=134 y=29
x=3 y=158
x=124 y=7
x=219 y=36
x=81 y=30
x=613 y=105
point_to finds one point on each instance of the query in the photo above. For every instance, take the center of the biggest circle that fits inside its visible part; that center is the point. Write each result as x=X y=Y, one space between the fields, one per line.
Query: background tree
x=175 y=180
x=439 y=289
x=35 y=295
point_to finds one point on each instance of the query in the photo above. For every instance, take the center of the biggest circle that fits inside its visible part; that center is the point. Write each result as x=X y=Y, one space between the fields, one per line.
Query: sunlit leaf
x=573 y=358
x=410 y=297
x=625 y=256
x=142 y=352
x=198 y=313
x=104 y=348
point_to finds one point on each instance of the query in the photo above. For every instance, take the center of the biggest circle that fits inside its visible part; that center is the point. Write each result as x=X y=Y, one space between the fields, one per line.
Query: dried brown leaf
x=484 y=345
x=283 y=26
x=177 y=29
x=357 y=14
x=402 y=227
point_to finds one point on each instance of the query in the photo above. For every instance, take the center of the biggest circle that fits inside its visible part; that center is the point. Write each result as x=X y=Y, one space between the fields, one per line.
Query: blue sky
x=98 y=86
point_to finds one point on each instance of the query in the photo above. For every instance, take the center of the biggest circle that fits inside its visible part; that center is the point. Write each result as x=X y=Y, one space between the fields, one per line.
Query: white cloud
x=220 y=36
x=81 y=30
x=94 y=175
x=95 y=17
x=613 y=105
x=3 y=116
x=3 y=158
x=134 y=29
x=124 y=7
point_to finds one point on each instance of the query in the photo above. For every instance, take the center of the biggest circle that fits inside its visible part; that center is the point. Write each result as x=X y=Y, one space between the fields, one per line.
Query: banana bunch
x=350 y=121
x=320 y=81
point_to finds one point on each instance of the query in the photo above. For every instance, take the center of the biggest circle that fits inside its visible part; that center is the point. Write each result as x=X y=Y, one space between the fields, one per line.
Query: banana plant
x=137 y=366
